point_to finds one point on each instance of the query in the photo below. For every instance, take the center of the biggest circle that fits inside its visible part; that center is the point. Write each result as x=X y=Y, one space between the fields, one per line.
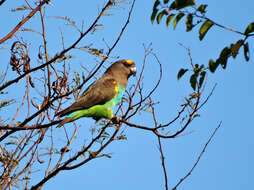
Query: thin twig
x=219 y=25
x=8 y=36
x=1 y=2
x=55 y=172
x=199 y=157
x=163 y=163
x=61 y=54
x=160 y=145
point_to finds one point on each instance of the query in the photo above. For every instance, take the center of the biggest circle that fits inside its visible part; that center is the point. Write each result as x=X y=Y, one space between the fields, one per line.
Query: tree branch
x=199 y=157
x=1 y=2
x=61 y=54
x=8 y=36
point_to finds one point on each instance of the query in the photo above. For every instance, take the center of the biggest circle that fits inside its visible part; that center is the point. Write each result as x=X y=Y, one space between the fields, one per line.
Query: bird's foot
x=116 y=119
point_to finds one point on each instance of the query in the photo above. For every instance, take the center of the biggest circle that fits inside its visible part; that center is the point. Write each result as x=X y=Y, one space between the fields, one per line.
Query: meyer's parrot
x=99 y=99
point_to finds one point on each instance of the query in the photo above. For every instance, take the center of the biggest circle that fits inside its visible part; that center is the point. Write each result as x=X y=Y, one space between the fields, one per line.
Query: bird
x=99 y=99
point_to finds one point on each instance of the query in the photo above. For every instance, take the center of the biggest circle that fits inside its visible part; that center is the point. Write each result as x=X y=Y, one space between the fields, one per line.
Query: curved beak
x=133 y=70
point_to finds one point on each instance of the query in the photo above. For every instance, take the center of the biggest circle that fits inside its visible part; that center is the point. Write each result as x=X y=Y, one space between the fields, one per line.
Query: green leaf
x=224 y=55
x=155 y=10
x=201 y=66
x=165 y=1
x=202 y=77
x=169 y=18
x=189 y=24
x=159 y=16
x=249 y=29
x=180 y=4
x=181 y=73
x=235 y=48
x=204 y=29
x=177 y=19
x=193 y=81
x=246 y=51
x=156 y=3
x=202 y=8
x=154 y=13
x=213 y=65
x=196 y=69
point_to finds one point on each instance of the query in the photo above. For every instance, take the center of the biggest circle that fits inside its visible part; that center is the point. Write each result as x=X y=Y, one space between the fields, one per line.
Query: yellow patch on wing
x=130 y=62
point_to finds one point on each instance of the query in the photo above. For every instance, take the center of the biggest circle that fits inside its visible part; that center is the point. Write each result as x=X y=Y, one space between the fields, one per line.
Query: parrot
x=99 y=99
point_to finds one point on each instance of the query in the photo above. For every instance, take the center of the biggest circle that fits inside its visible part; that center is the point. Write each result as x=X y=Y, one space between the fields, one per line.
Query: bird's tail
x=71 y=117
x=66 y=120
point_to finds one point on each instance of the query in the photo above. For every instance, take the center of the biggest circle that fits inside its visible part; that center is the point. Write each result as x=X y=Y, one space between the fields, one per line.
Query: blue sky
x=135 y=163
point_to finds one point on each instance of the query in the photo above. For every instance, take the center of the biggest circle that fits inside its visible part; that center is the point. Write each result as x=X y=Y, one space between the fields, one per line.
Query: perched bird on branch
x=99 y=99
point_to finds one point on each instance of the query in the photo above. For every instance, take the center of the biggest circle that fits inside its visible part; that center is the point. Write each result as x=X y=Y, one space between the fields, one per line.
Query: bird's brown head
x=123 y=67
x=121 y=70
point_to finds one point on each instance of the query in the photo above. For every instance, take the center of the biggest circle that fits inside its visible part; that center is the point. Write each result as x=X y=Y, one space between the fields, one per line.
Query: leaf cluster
x=197 y=77
x=194 y=15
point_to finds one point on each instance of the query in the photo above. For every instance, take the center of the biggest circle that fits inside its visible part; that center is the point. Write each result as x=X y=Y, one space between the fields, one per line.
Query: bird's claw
x=116 y=119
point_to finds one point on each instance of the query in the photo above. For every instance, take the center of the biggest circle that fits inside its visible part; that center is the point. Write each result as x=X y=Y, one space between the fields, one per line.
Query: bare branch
x=199 y=157
x=61 y=54
x=163 y=163
x=1 y=2
x=31 y=14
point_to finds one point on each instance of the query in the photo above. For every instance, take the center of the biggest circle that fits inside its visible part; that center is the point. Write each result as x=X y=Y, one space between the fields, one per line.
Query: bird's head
x=123 y=67
x=130 y=65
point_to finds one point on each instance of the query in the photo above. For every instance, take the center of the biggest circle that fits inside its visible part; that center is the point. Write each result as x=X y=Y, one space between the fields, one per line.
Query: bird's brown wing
x=98 y=93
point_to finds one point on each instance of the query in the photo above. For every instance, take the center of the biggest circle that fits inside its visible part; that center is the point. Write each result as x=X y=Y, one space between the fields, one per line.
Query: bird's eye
x=128 y=62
